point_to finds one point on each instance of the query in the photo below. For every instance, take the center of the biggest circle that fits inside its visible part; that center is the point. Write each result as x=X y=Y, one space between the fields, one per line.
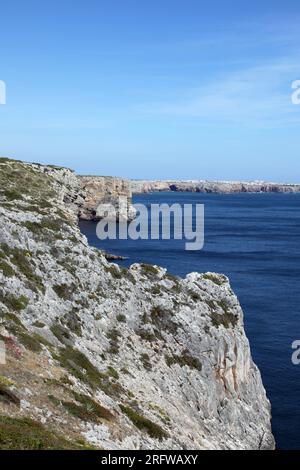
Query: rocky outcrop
x=90 y=196
x=102 y=190
x=221 y=187
x=120 y=359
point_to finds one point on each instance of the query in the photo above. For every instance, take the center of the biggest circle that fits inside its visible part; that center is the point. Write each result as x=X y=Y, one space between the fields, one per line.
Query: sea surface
x=255 y=240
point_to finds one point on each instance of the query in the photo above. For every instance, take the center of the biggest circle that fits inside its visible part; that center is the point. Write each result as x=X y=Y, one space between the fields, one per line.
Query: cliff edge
x=110 y=357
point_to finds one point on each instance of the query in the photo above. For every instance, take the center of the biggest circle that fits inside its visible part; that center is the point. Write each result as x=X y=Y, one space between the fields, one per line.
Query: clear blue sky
x=153 y=89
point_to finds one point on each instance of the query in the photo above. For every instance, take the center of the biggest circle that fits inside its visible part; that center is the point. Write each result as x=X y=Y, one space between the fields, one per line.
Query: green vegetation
x=20 y=180
x=226 y=319
x=64 y=291
x=80 y=366
x=6 y=269
x=161 y=318
x=112 y=372
x=15 y=303
x=7 y=395
x=185 y=359
x=22 y=261
x=4 y=381
x=13 y=195
x=29 y=341
x=39 y=324
x=146 y=335
x=144 y=424
x=88 y=409
x=121 y=318
x=146 y=361
x=114 y=271
x=113 y=336
x=26 y=434
x=61 y=333
x=73 y=322
x=149 y=270
x=217 y=279
x=194 y=296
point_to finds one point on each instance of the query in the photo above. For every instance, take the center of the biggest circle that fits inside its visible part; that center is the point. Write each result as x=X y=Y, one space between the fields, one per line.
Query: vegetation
x=61 y=333
x=144 y=424
x=113 y=336
x=88 y=409
x=15 y=303
x=185 y=359
x=226 y=319
x=121 y=318
x=22 y=261
x=6 y=268
x=64 y=291
x=26 y=434
x=217 y=279
x=112 y=372
x=146 y=361
x=149 y=271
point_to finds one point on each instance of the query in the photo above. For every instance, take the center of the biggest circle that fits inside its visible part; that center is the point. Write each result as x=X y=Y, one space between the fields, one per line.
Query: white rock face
x=166 y=357
x=218 y=187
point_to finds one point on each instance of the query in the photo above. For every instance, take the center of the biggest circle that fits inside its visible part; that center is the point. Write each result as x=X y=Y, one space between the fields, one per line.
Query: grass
x=80 y=366
x=115 y=272
x=39 y=324
x=217 y=279
x=185 y=359
x=88 y=409
x=8 y=396
x=61 y=333
x=226 y=319
x=113 y=373
x=26 y=434
x=121 y=318
x=113 y=336
x=15 y=303
x=149 y=271
x=161 y=318
x=21 y=259
x=146 y=361
x=6 y=269
x=64 y=291
x=144 y=424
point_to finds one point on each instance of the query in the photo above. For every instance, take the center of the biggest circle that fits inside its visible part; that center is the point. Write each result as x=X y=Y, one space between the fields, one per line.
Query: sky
x=180 y=89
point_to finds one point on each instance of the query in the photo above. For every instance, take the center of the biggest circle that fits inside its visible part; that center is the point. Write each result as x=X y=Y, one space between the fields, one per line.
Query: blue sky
x=160 y=89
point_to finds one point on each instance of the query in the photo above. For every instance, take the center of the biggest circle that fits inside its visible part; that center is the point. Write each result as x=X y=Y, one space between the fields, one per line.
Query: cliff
x=110 y=357
x=101 y=190
x=218 y=187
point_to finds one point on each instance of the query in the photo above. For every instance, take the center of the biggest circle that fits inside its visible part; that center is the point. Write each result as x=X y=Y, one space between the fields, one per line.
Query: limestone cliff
x=221 y=187
x=98 y=190
x=110 y=357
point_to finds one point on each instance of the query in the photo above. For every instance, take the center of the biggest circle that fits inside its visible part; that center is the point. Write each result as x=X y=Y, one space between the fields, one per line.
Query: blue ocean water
x=255 y=240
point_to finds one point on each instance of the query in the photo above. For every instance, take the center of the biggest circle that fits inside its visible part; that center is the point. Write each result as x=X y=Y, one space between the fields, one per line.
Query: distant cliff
x=98 y=190
x=112 y=357
x=221 y=187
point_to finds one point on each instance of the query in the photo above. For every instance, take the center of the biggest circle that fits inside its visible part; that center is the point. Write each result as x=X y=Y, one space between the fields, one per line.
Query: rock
x=126 y=358
x=99 y=190
x=220 y=187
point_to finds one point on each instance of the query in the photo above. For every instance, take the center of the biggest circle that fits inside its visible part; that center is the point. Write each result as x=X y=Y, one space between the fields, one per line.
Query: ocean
x=255 y=240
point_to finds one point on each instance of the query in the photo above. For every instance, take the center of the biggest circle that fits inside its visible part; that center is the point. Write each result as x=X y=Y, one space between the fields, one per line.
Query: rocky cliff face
x=98 y=190
x=110 y=357
x=221 y=187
